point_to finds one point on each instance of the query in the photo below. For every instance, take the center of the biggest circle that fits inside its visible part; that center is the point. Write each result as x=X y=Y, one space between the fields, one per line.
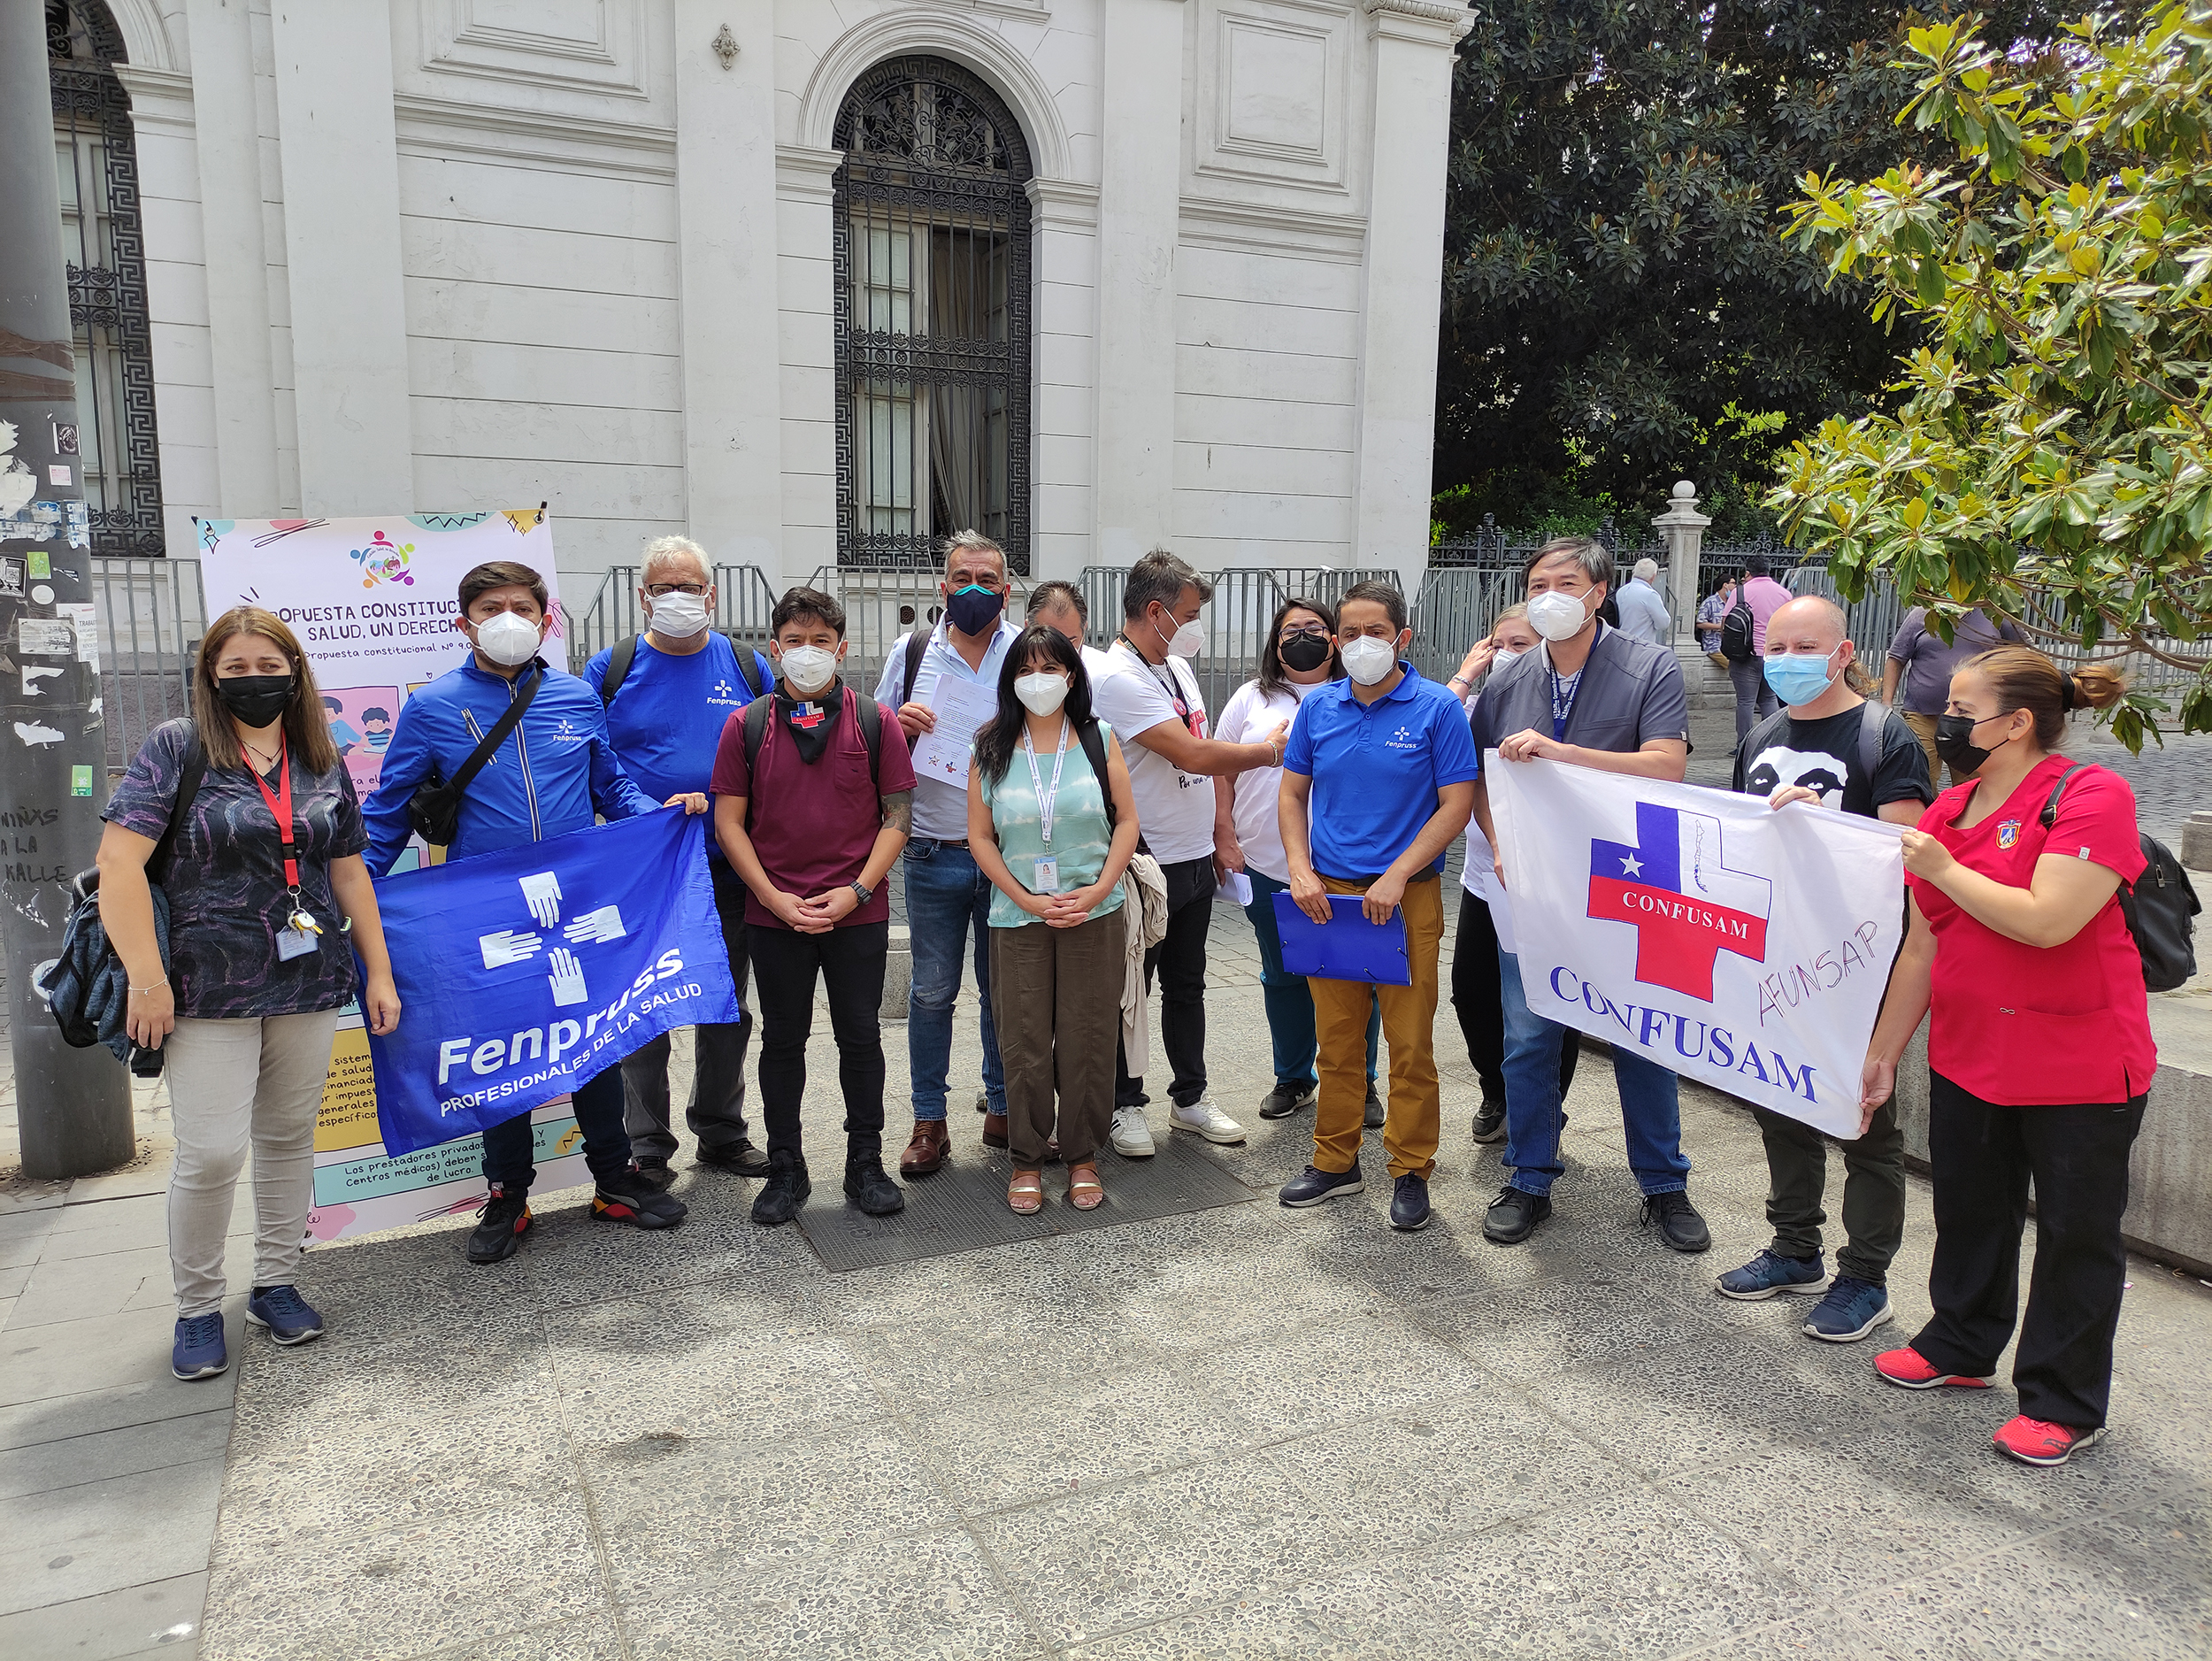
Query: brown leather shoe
x=931 y=1147
x=994 y=1130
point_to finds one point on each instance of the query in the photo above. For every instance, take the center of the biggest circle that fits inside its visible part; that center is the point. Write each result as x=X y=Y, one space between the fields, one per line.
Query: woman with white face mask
x=1054 y=833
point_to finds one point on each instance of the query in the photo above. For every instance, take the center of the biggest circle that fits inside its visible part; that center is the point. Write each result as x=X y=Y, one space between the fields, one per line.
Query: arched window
x=104 y=247
x=932 y=316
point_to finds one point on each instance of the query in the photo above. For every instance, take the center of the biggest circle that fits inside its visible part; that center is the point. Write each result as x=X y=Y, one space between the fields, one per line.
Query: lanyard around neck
x=279 y=801
x=1046 y=799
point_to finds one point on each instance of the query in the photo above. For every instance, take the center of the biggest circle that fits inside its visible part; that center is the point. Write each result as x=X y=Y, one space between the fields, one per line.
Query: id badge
x=295 y=942
x=1046 y=880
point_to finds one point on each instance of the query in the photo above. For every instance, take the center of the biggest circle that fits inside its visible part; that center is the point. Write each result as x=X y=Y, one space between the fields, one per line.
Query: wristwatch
x=863 y=892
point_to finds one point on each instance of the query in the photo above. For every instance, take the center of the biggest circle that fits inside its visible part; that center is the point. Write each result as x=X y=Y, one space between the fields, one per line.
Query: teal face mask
x=1799 y=679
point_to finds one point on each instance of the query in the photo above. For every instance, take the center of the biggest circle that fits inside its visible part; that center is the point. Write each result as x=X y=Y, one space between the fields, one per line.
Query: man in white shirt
x=1643 y=613
x=1151 y=698
x=946 y=896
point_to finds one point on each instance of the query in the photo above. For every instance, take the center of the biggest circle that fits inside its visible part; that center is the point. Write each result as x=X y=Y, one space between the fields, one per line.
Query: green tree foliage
x=2050 y=457
x=1619 y=312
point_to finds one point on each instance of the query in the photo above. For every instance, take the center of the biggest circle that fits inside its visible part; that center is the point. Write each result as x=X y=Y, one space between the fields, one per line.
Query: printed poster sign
x=1745 y=948
x=373 y=602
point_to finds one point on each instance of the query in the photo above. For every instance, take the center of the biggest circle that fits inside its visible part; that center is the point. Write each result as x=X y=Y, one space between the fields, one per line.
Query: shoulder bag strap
x=619 y=662
x=497 y=736
x=746 y=668
x=1872 y=717
x=2050 y=808
x=755 y=733
x=916 y=648
x=1094 y=752
x=187 y=787
x=870 y=714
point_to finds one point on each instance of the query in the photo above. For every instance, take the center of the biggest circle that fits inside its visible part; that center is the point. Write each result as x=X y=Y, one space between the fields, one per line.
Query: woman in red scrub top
x=2040 y=1052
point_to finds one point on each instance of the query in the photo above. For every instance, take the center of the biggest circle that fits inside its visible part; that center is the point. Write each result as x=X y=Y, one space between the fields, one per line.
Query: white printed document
x=961 y=706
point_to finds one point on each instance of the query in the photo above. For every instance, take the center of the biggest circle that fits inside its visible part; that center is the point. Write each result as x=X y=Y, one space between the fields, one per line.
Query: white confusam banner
x=1743 y=948
x=373 y=602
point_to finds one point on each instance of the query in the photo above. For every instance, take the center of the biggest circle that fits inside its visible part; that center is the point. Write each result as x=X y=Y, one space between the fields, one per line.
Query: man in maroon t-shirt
x=813 y=821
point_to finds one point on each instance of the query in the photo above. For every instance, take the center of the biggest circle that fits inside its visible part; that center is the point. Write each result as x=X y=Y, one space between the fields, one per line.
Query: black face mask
x=1954 y=742
x=255 y=699
x=1305 y=653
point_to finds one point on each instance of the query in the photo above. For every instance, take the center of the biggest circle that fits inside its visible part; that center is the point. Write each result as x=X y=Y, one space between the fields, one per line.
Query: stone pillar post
x=1683 y=529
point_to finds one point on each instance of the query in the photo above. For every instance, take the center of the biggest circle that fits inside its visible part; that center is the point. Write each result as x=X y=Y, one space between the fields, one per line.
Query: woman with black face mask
x=265 y=901
x=2040 y=1052
x=1295 y=658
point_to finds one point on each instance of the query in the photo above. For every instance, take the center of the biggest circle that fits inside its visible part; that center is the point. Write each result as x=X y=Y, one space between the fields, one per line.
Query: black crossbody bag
x=435 y=809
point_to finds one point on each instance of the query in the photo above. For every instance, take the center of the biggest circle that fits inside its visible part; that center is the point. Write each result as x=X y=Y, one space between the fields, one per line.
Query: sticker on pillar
x=79 y=779
x=41 y=594
x=85 y=618
x=44 y=637
x=32 y=522
x=77 y=521
x=65 y=438
x=11 y=578
x=18 y=483
x=33 y=673
x=58 y=474
x=36 y=732
x=42 y=562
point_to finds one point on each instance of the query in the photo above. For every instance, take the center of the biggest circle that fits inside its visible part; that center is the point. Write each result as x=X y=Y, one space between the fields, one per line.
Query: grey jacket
x=1630 y=693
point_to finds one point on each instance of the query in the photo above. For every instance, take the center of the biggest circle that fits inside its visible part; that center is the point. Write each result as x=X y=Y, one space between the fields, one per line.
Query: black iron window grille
x=933 y=277
x=104 y=244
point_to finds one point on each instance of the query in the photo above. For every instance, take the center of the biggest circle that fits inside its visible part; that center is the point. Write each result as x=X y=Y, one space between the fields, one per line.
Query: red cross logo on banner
x=1686 y=906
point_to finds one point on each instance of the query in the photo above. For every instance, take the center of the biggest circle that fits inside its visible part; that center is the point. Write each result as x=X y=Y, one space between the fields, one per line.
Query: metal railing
x=743 y=603
x=152 y=614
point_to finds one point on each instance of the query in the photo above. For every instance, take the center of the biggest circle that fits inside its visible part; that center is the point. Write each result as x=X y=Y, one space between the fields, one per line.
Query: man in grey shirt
x=1919 y=658
x=1643 y=613
x=1590 y=697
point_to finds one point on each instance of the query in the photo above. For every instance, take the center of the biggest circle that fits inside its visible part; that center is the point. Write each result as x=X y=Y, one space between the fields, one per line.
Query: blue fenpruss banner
x=522 y=973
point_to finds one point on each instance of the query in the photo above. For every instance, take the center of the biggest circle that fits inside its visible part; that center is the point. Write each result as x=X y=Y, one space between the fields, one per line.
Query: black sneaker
x=1410 y=1205
x=1311 y=1186
x=1286 y=1099
x=630 y=1198
x=867 y=1187
x=1513 y=1216
x=1490 y=1118
x=785 y=1191
x=740 y=1158
x=654 y=1172
x=1375 y=1113
x=1679 y=1224
x=501 y=1223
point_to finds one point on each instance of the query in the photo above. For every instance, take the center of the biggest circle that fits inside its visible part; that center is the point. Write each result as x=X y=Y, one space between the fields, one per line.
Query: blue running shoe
x=199 y=1352
x=1851 y=1309
x=290 y=1319
x=1310 y=1186
x=1770 y=1272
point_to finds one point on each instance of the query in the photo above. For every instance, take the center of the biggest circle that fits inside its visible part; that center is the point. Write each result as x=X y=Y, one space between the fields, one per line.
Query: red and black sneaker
x=632 y=1199
x=500 y=1226
x=1909 y=1369
x=2038 y=1442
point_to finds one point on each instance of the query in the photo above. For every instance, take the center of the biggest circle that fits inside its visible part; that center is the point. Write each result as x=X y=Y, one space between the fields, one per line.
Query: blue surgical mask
x=974 y=608
x=1799 y=678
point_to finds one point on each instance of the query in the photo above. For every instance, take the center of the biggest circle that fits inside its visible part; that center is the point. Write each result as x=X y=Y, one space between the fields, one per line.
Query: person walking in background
x=268 y=902
x=1054 y=836
x=1762 y=596
x=667 y=695
x=1643 y=613
x=1833 y=750
x=1377 y=780
x=1920 y=666
x=553 y=773
x=2040 y=1050
x=1296 y=659
x=1151 y=698
x=1477 y=995
x=1710 y=611
x=1590 y=697
x=947 y=897
x=814 y=792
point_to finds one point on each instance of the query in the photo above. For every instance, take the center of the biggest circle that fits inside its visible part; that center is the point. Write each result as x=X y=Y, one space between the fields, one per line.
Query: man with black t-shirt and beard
x=1829 y=747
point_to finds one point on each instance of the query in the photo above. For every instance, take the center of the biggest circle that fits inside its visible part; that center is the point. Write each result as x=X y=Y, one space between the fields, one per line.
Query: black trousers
x=716 y=1111
x=1983 y=1156
x=1180 y=961
x=508 y=1146
x=849 y=961
x=1477 y=997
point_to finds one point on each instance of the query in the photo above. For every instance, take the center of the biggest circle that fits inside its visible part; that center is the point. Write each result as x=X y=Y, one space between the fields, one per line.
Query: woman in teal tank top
x=1053 y=838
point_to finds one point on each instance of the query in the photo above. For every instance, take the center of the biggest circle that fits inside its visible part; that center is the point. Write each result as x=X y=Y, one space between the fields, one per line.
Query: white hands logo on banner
x=541 y=894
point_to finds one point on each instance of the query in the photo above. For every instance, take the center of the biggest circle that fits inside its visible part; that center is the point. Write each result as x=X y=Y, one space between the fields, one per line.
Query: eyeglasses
x=661 y=590
x=1312 y=631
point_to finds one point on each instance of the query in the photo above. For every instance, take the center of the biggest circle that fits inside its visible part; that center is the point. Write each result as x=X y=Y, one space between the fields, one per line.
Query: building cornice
x=1415 y=19
x=1251 y=227
x=621 y=149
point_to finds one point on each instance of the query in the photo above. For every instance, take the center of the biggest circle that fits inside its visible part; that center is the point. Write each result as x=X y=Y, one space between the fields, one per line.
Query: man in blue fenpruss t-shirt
x=682 y=681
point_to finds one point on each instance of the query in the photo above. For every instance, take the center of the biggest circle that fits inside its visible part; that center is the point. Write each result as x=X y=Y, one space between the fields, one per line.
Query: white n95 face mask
x=508 y=640
x=679 y=616
x=1041 y=693
x=1556 y=616
x=810 y=669
x=1367 y=659
x=1503 y=656
x=1186 y=642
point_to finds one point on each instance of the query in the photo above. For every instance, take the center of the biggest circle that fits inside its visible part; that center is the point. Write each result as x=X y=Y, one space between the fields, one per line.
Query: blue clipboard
x=1349 y=948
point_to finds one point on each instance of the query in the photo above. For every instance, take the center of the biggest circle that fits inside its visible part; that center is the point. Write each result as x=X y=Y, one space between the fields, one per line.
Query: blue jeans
x=1651 y=1110
x=1289 y=1003
x=947 y=899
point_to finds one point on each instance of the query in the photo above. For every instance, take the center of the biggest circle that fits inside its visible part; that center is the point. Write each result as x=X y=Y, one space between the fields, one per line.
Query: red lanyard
x=279 y=801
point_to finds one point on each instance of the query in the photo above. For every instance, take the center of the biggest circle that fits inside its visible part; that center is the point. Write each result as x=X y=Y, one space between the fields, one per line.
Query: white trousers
x=235 y=1084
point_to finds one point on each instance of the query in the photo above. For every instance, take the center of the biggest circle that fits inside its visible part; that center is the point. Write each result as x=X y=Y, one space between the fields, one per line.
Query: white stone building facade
x=608 y=254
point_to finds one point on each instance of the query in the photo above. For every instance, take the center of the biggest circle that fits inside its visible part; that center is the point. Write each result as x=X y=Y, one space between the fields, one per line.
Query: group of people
x=1078 y=862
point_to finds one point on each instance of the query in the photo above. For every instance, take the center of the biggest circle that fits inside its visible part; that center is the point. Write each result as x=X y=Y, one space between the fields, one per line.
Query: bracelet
x=154 y=987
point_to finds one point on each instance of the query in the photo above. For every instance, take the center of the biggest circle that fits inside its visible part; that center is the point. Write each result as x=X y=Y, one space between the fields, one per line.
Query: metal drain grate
x=963 y=1208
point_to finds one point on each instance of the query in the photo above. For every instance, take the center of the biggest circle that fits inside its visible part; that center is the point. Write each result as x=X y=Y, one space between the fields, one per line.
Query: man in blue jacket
x=549 y=777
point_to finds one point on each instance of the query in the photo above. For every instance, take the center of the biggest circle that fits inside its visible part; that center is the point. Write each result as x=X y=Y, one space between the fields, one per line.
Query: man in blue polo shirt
x=1383 y=767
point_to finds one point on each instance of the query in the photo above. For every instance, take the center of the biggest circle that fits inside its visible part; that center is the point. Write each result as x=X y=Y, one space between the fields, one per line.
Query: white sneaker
x=1132 y=1136
x=1207 y=1119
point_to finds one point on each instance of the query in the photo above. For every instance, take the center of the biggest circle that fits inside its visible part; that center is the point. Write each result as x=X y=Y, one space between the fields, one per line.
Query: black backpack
x=1740 y=632
x=624 y=653
x=2159 y=905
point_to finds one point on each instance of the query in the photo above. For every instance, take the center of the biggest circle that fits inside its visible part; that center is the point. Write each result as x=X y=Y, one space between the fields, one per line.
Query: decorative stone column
x=1683 y=529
